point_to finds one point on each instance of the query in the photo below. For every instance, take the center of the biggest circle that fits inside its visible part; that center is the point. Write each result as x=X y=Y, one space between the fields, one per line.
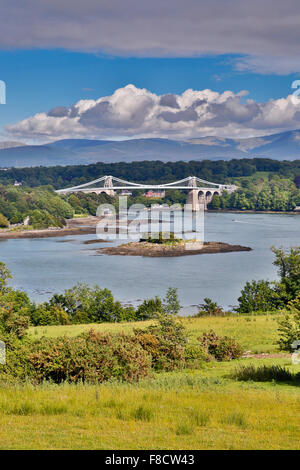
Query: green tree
x=209 y=308
x=258 y=296
x=171 y=302
x=5 y=274
x=288 y=267
x=215 y=203
x=85 y=304
x=149 y=308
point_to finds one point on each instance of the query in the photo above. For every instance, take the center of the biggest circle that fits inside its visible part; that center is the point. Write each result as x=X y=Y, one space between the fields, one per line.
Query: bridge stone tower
x=108 y=183
x=192 y=198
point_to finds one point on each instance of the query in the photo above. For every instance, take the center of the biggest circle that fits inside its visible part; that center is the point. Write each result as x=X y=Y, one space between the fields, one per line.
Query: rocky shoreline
x=82 y=226
x=155 y=250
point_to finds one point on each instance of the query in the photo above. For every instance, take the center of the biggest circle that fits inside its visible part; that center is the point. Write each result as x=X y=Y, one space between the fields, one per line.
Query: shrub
x=15 y=323
x=46 y=314
x=221 y=348
x=289 y=326
x=91 y=357
x=195 y=356
x=264 y=374
x=165 y=341
x=17 y=367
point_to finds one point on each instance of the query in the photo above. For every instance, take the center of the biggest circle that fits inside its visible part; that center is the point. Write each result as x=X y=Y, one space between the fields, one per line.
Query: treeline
x=148 y=171
x=263 y=296
x=164 y=345
x=43 y=206
x=258 y=194
x=97 y=357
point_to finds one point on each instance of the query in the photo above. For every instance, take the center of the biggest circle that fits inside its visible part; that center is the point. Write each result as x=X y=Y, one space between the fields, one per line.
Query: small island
x=167 y=247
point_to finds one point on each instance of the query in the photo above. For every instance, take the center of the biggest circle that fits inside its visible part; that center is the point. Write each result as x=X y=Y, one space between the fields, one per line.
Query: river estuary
x=44 y=266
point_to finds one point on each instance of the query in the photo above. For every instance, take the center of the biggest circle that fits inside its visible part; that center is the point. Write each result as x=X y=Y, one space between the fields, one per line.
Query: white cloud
x=136 y=112
x=266 y=33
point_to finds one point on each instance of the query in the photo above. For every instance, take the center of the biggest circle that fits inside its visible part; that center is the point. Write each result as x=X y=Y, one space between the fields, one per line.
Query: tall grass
x=127 y=416
x=265 y=373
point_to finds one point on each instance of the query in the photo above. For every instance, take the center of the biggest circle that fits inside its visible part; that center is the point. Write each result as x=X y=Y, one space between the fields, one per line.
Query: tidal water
x=42 y=267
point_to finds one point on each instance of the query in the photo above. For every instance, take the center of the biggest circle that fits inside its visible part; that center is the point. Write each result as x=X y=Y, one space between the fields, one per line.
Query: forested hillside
x=148 y=171
x=43 y=206
x=264 y=185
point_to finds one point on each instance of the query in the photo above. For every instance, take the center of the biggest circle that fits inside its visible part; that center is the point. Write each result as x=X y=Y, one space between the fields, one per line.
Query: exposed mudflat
x=156 y=250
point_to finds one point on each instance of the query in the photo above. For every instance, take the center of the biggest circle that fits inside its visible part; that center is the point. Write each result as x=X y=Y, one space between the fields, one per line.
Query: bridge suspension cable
x=109 y=181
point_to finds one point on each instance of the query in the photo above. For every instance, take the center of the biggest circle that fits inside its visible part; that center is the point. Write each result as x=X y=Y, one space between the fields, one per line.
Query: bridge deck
x=112 y=188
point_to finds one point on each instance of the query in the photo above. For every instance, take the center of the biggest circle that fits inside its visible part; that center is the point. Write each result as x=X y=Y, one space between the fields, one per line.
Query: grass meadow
x=255 y=333
x=188 y=409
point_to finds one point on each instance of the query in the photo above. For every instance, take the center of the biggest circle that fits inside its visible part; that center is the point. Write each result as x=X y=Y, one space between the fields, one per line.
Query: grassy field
x=255 y=333
x=183 y=410
x=188 y=409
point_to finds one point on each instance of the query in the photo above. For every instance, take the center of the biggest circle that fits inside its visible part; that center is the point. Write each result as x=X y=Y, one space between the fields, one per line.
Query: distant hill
x=283 y=146
x=8 y=144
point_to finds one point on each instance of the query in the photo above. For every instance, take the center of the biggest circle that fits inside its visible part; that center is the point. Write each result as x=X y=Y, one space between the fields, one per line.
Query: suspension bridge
x=199 y=191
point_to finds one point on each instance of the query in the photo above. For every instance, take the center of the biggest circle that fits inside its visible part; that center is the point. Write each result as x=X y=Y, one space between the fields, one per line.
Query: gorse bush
x=91 y=357
x=165 y=342
x=222 y=348
x=195 y=355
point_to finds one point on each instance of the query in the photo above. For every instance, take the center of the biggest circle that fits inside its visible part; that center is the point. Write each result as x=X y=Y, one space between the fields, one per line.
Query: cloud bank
x=137 y=112
x=265 y=33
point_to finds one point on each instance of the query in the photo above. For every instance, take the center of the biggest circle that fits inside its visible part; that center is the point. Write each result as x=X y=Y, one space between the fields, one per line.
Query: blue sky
x=55 y=53
x=38 y=80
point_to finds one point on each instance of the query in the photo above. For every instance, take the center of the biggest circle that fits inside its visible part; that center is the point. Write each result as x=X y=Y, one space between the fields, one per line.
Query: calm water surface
x=44 y=266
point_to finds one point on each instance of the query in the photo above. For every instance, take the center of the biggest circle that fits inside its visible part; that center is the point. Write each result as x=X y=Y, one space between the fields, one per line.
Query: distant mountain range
x=283 y=146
